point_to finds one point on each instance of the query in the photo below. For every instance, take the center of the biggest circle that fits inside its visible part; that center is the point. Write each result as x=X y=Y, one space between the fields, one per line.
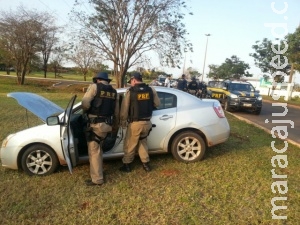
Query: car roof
x=236 y=82
x=43 y=108
x=239 y=82
x=184 y=98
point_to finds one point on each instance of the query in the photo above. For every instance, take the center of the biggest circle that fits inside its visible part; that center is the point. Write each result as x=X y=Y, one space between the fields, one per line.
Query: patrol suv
x=236 y=95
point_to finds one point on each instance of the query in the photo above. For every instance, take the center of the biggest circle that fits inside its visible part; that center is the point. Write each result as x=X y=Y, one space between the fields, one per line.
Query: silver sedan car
x=183 y=125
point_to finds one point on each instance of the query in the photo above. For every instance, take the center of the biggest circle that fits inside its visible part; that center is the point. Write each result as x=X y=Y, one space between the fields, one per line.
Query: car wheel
x=188 y=147
x=39 y=160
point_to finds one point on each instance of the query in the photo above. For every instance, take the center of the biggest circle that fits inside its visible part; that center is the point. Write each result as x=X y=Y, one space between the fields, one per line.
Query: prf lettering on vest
x=106 y=94
x=143 y=96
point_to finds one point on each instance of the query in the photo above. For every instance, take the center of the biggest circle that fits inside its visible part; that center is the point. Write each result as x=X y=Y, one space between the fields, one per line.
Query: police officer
x=204 y=90
x=100 y=104
x=182 y=83
x=168 y=81
x=193 y=87
x=136 y=110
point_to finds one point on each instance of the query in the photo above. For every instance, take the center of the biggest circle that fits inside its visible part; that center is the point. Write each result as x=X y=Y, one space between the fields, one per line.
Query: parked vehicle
x=173 y=83
x=161 y=80
x=235 y=95
x=60 y=140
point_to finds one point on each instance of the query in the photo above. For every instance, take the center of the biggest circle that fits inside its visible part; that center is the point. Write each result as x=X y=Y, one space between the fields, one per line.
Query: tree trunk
x=291 y=73
x=45 y=71
x=18 y=79
x=23 y=76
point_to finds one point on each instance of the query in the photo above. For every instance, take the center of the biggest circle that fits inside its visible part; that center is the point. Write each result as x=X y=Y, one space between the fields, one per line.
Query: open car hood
x=38 y=105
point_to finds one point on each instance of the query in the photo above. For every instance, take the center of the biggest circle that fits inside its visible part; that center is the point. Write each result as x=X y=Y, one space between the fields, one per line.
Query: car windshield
x=241 y=87
x=217 y=84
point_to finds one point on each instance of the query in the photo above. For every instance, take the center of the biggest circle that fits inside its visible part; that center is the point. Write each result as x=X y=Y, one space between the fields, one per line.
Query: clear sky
x=234 y=26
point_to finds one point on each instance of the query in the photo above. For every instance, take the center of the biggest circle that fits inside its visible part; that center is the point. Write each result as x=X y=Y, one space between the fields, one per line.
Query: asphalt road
x=273 y=116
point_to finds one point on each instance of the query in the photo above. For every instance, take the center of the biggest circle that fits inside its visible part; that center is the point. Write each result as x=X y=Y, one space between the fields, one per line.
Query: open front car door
x=67 y=139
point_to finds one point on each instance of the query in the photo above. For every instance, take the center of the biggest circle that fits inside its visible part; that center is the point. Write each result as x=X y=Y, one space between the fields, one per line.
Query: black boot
x=146 y=167
x=125 y=168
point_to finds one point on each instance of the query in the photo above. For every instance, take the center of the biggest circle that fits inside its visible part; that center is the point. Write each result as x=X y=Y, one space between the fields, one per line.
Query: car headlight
x=259 y=98
x=6 y=140
x=233 y=96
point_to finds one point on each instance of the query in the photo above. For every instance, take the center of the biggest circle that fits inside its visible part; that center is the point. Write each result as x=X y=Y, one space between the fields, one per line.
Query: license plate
x=247 y=105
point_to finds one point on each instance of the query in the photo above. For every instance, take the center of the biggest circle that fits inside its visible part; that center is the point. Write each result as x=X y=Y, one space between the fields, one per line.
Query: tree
x=193 y=72
x=232 y=68
x=20 y=34
x=85 y=57
x=124 y=31
x=5 y=59
x=269 y=61
x=57 y=58
x=47 y=42
x=213 y=72
x=236 y=67
x=293 y=51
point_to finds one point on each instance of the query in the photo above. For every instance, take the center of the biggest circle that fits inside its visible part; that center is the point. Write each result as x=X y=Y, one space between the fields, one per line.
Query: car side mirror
x=257 y=91
x=52 y=120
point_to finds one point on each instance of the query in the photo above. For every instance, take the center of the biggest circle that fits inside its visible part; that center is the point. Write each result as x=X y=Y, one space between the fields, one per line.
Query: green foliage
x=294 y=101
x=267 y=58
x=125 y=31
x=293 y=51
x=193 y=72
x=296 y=87
x=21 y=33
x=232 y=68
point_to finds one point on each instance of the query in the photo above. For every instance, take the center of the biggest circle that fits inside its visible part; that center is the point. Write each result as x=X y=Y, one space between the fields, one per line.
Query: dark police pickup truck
x=235 y=95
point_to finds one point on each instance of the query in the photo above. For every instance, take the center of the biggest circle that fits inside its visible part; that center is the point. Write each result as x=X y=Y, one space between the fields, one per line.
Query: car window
x=251 y=87
x=241 y=87
x=233 y=87
x=211 y=83
x=216 y=84
x=161 y=79
x=219 y=84
x=167 y=100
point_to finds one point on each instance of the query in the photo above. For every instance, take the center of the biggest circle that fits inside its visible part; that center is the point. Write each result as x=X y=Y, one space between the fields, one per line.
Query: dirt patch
x=169 y=172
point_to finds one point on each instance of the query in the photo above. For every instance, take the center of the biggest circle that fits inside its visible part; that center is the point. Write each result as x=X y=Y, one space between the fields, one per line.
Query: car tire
x=188 y=147
x=39 y=160
x=257 y=112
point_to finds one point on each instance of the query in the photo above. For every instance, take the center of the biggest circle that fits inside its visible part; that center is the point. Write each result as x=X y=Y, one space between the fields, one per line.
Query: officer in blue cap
x=101 y=105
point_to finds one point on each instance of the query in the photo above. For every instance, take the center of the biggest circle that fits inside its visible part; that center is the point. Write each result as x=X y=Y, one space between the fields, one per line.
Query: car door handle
x=165 y=117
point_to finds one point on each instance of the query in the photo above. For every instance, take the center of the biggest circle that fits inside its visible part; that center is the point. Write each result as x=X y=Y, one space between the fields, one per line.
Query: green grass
x=293 y=101
x=232 y=185
x=51 y=75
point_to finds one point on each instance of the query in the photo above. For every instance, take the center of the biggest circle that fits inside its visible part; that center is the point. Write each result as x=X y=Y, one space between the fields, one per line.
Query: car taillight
x=218 y=109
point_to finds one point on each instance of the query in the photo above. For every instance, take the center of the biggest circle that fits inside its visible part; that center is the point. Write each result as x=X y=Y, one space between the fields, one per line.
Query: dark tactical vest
x=181 y=84
x=103 y=103
x=141 y=102
x=193 y=85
